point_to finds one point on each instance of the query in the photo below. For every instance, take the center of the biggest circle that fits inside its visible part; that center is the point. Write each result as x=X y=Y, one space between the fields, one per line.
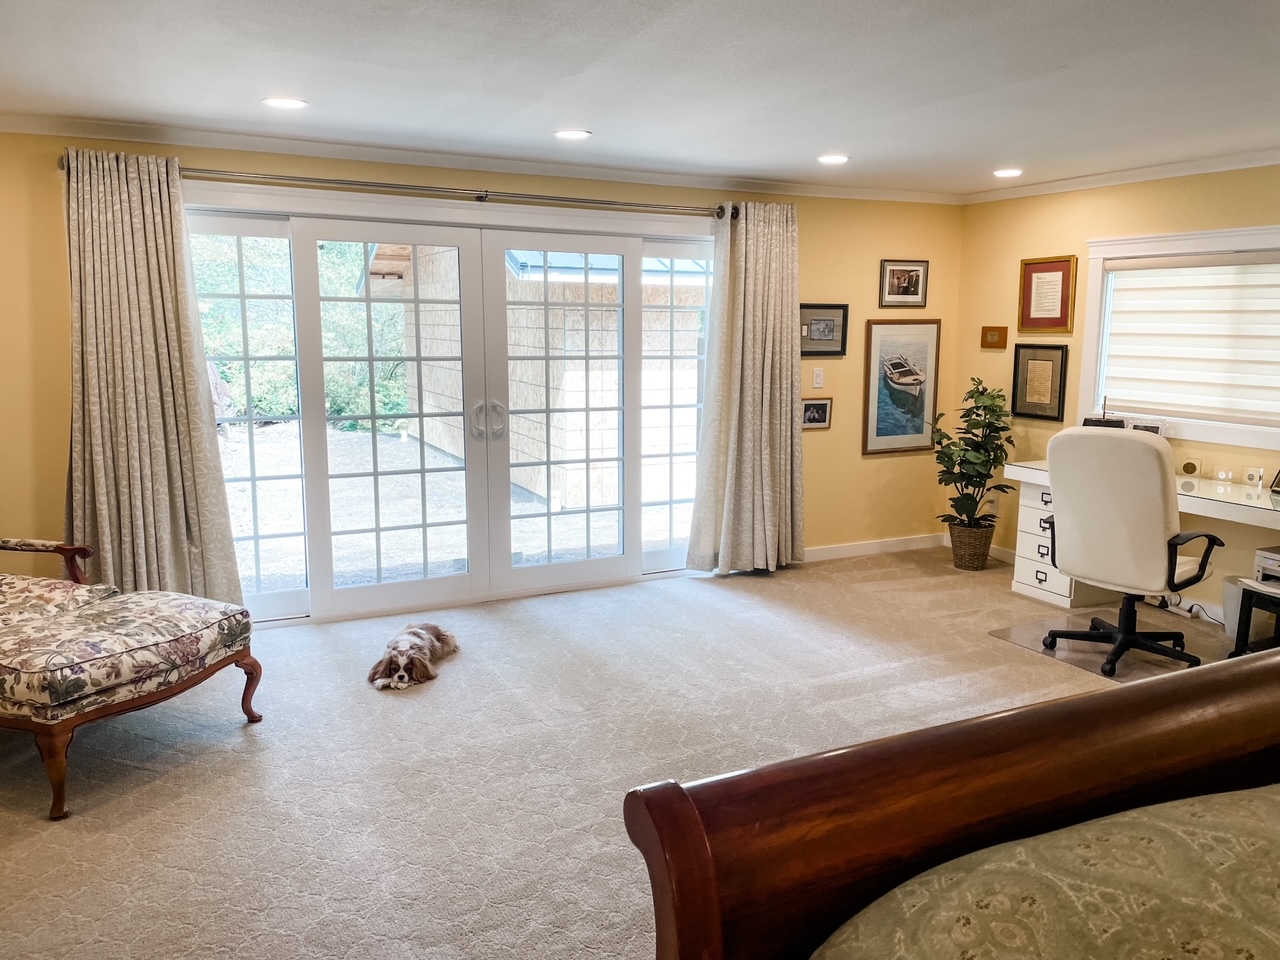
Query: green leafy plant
x=970 y=459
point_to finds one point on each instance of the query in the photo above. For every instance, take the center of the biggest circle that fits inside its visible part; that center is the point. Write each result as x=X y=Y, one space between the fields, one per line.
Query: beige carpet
x=480 y=816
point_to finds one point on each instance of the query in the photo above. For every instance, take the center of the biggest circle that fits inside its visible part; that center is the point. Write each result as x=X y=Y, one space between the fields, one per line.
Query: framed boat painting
x=901 y=389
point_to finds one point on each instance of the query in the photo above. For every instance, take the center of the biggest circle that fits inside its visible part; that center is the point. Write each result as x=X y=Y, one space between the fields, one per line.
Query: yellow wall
x=998 y=235
x=849 y=498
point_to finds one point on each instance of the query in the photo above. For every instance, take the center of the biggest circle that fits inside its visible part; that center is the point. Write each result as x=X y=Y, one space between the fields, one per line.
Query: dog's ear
x=421 y=669
x=379 y=670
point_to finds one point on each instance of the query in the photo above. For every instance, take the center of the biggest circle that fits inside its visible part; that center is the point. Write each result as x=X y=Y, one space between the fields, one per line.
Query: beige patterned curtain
x=145 y=485
x=748 y=511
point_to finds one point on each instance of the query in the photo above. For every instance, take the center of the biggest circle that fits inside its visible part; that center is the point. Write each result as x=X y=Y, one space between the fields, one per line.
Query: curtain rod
x=480 y=196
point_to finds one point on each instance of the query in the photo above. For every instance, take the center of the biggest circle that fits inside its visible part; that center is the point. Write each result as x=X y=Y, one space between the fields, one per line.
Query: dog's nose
x=402 y=676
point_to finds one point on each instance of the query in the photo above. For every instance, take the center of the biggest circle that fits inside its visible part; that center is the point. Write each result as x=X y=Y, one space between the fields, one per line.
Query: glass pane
x=444 y=441
x=686 y=380
x=277 y=448
x=525 y=278
x=240 y=503
x=342 y=268
x=446 y=550
x=655 y=383
x=606 y=539
x=568 y=330
x=275 y=388
x=391 y=386
x=604 y=389
x=355 y=560
x=568 y=435
x=656 y=277
x=350 y=446
x=568 y=382
x=440 y=331
x=684 y=430
x=441 y=388
x=446 y=497
x=351 y=503
x=402 y=555
x=346 y=388
x=567 y=278
x=568 y=537
x=229 y=397
x=526 y=331
x=655 y=430
x=526 y=384
x=605 y=326
x=247 y=562
x=604 y=434
x=655 y=332
x=655 y=527
x=528 y=432
x=344 y=327
x=655 y=479
x=267 y=267
x=279 y=506
x=391 y=270
x=393 y=329
x=529 y=487
x=270 y=326
x=400 y=500
x=568 y=486
x=681 y=523
x=220 y=322
x=284 y=563
x=396 y=448
x=216 y=264
x=684 y=477
x=604 y=485
x=437 y=272
x=233 y=444
x=605 y=273
x=528 y=541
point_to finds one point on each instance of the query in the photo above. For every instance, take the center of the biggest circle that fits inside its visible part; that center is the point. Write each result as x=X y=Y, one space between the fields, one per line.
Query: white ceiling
x=926 y=96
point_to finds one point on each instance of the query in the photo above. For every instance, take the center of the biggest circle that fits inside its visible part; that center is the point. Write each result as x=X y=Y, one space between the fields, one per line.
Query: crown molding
x=338 y=150
x=1160 y=171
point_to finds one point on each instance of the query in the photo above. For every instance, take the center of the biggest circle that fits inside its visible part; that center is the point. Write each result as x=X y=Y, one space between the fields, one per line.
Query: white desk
x=1035 y=576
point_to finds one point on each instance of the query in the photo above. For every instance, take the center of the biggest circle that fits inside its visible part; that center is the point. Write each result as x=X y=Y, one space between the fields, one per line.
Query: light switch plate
x=817 y=376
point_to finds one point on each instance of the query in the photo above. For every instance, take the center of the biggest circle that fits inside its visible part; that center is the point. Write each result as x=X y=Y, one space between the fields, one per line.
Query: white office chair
x=1115 y=525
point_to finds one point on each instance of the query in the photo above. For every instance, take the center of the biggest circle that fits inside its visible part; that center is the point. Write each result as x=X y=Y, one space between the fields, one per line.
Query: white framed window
x=1185 y=330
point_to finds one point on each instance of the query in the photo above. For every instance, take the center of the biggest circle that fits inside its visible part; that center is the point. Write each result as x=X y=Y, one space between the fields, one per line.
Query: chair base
x=1125 y=636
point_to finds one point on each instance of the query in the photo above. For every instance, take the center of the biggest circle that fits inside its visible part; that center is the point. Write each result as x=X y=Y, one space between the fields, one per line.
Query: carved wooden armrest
x=71 y=554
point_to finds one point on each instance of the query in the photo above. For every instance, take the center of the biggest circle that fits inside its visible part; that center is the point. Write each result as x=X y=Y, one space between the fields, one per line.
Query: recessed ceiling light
x=284 y=103
x=833 y=159
x=1008 y=173
x=573 y=134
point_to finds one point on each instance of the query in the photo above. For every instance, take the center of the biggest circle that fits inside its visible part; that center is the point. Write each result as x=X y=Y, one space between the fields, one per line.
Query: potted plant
x=969 y=462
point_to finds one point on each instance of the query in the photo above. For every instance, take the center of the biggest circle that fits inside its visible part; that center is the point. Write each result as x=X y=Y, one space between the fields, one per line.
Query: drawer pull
x=1045 y=523
x=1046 y=498
x=1041 y=577
x=1043 y=550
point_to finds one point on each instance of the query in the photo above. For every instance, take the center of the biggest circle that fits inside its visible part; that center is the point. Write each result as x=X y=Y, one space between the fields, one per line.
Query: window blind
x=1199 y=340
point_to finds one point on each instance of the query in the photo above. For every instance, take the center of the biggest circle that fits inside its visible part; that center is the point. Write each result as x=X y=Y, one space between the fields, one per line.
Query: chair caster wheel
x=1049 y=642
x=1108 y=669
x=1179 y=645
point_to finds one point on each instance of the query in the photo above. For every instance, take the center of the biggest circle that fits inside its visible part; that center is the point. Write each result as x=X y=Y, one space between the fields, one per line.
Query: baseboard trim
x=866 y=548
x=1003 y=554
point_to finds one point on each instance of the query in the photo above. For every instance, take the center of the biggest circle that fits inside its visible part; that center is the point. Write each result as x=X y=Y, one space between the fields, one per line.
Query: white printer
x=1266 y=563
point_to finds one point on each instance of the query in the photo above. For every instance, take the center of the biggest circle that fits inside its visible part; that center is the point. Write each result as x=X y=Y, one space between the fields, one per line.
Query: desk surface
x=1198 y=496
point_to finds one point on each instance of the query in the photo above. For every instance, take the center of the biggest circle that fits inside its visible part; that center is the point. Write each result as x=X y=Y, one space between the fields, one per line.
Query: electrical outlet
x=817 y=376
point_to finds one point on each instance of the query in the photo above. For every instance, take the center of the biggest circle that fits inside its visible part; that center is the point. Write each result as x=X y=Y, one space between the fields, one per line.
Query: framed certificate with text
x=1040 y=380
x=1047 y=295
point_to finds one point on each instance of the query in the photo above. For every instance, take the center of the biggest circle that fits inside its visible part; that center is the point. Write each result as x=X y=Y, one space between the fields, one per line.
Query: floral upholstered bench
x=72 y=652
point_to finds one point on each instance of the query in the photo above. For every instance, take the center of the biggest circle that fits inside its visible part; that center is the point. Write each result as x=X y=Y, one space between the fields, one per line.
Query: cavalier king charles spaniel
x=412 y=656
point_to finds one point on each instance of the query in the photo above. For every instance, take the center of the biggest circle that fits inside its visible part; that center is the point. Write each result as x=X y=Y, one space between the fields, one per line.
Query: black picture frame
x=904 y=283
x=1040 y=392
x=815 y=413
x=831 y=322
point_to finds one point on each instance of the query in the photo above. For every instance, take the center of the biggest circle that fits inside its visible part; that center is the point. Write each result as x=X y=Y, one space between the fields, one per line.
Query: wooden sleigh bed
x=765 y=864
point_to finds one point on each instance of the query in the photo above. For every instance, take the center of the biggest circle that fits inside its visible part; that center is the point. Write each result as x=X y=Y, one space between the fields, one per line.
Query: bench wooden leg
x=53 y=748
x=252 y=674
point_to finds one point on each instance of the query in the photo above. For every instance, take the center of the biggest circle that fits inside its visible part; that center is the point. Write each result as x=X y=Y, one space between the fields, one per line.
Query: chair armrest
x=1177 y=541
x=71 y=554
x=1053 y=542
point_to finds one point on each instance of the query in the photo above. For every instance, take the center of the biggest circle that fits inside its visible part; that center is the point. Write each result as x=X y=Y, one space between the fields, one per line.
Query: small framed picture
x=901 y=387
x=1047 y=295
x=1039 y=380
x=824 y=329
x=817 y=413
x=904 y=283
x=995 y=338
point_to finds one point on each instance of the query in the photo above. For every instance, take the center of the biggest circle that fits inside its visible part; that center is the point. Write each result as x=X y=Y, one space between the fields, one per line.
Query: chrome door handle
x=499 y=411
x=477 y=427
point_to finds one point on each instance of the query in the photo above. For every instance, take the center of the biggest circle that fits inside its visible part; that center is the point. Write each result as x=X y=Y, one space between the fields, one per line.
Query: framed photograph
x=1047 y=295
x=817 y=413
x=1039 y=380
x=904 y=283
x=995 y=338
x=901 y=389
x=824 y=329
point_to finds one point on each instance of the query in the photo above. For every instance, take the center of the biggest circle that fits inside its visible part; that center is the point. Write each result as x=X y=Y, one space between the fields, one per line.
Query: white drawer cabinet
x=1034 y=574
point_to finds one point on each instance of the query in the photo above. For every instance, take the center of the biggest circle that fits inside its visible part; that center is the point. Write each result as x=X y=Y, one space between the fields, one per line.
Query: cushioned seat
x=1197 y=877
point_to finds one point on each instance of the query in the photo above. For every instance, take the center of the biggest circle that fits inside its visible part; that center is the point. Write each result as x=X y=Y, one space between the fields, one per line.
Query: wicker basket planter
x=970 y=546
